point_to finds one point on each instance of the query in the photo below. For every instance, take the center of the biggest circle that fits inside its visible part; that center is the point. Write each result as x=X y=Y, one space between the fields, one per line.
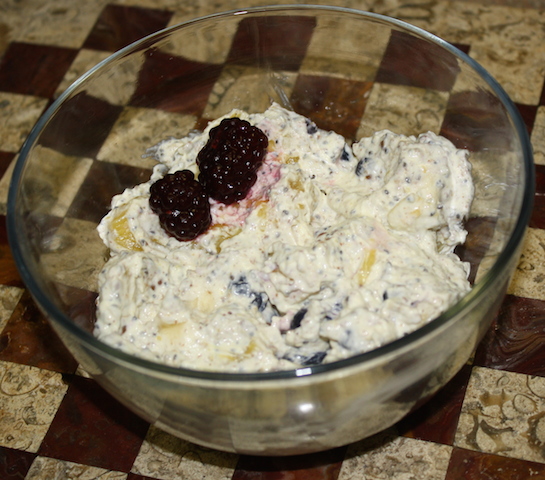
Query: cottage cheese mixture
x=336 y=250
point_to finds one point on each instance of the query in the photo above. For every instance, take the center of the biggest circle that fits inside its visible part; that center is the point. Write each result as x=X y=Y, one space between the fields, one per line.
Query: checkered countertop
x=57 y=423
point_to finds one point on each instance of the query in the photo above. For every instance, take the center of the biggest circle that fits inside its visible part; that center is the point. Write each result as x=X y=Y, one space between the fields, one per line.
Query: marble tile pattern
x=57 y=423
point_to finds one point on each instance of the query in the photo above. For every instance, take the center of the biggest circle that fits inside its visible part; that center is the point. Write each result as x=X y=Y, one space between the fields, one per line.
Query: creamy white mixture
x=336 y=250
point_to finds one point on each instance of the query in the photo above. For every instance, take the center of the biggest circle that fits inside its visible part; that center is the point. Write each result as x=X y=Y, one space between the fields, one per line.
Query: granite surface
x=57 y=423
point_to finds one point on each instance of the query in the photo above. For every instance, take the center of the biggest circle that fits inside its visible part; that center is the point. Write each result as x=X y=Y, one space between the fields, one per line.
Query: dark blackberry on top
x=182 y=205
x=230 y=159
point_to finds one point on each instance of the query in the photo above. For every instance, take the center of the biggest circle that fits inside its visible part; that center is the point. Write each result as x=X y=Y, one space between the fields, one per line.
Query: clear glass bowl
x=350 y=71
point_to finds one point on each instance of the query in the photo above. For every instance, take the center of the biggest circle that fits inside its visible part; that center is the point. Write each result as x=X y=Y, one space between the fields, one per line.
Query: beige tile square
x=388 y=457
x=185 y=11
x=467 y=22
x=354 y=57
x=169 y=458
x=44 y=468
x=519 y=70
x=62 y=23
x=76 y=255
x=203 y=47
x=84 y=61
x=9 y=297
x=18 y=114
x=402 y=109
x=494 y=249
x=138 y=129
x=52 y=188
x=4 y=186
x=538 y=136
x=508 y=42
x=529 y=278
x=29 y=399
x=503 y=414
x=242 y=87
x=114 y=85
x=490 y=174
x=420 y=13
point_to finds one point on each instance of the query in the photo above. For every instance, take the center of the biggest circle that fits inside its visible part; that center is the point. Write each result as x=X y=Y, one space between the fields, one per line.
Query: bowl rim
x=104 y=350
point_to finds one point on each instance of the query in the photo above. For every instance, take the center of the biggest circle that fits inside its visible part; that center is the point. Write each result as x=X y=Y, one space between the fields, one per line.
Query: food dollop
x=334 y=250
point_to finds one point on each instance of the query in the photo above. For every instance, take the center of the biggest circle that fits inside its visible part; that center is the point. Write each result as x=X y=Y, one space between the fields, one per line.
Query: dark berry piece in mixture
x=182 y=205
x=240 y=286
x=298 y=318
x=345 y=155
x=311 y=127
x=315 y=359
x=230 y=159
x=306 y=359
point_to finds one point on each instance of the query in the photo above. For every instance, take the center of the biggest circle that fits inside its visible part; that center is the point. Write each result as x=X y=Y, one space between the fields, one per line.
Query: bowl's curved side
x=88 y=132
x=298 y=415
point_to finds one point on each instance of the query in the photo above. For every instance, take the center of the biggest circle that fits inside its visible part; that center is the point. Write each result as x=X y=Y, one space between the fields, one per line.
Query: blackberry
x=230 y=159
x=182 y=205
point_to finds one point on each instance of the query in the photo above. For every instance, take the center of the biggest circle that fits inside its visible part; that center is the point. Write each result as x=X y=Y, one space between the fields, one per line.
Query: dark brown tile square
x=411 y=61
x=5 y=160
x=279 y=42
x=332 y=103
x=79 y=304
x=31 y=69
x=516 y=340
x=469 y=465
x=201 y=123
x=538 y=213
x=317 y=466
x=118 y=26
x=437 y=419
x=28 y=339
x=14 y=464
x=103 y=181
x=528 y=114
x=476 y=120
x=92 y=428
x=9 y=275
x=540 y=180
x=542 y=96
x=174 y=84
x=480 y=231
x=462 y=47
x=134 y=476
x=81 y=127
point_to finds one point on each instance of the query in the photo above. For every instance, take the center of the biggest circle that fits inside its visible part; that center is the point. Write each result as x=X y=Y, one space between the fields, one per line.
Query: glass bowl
x=349 y=71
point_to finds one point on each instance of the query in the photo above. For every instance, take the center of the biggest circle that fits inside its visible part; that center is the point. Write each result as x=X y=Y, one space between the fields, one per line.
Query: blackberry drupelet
x=230 y=159
x=182 y=205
